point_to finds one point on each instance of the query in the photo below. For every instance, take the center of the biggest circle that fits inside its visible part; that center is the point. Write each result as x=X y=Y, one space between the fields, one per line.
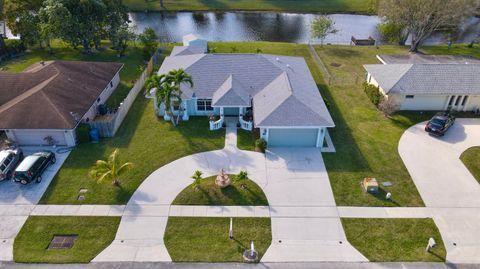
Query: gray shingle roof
x=186 y=50
x=302 y=106
x=427 y=78
x=231 y=93
x=417 y=58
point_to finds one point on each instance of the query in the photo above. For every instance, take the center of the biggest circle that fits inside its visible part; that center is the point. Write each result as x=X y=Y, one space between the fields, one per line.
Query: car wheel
x=21 y=156
x=9 y=175
x=54 y=160
x=24 y=182
x=39 y=179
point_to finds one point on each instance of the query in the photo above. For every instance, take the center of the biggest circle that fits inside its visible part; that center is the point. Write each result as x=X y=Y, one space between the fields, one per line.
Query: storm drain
x=62 y=241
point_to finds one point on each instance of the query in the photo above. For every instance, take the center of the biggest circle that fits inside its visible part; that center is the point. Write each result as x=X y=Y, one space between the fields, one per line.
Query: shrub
x=388 y=106
x=82 y=133
x=373 y=93
x=261 y=144
x=14 y=46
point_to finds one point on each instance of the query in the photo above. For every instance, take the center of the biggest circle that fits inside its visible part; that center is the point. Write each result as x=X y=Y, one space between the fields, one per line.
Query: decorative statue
x=222 y=180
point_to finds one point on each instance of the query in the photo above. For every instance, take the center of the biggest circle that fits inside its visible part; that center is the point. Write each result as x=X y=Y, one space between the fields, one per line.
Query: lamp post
x=431 y=244
x=230 y=233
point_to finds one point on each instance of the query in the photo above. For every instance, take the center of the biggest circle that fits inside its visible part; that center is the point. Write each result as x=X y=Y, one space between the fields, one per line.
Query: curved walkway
x=448 y=189
x=295 y=181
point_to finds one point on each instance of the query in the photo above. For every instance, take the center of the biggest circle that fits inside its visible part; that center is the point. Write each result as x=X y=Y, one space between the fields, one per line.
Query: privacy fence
x=108 y=125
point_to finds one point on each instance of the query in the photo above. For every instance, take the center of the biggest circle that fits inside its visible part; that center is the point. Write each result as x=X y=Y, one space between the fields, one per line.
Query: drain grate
x=62 y=241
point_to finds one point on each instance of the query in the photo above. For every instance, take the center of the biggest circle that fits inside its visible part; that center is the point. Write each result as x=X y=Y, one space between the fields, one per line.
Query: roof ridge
x=55 y=108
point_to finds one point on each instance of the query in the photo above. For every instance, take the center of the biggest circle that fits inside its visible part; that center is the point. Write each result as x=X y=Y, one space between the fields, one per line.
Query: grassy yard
x=472 y=162
x=395 y=240
x=206 y=239
x=324 y=6
x=210 y=194
x=143 y=139
x=130 y=72
x=246 y=139
x=94 y=235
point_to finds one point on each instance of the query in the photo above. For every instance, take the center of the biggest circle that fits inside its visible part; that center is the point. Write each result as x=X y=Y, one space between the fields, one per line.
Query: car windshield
x=437 y=122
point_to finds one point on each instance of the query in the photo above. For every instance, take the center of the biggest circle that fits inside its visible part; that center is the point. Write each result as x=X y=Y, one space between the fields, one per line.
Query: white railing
x=215 y=125
x=245 y=125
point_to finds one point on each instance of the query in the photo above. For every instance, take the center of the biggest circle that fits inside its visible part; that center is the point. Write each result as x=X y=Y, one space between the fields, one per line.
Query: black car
x=440 y=123
x=32 y=167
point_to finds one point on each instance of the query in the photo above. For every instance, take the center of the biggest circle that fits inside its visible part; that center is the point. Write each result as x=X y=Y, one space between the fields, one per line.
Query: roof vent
x=277 y=59
x=288 y=66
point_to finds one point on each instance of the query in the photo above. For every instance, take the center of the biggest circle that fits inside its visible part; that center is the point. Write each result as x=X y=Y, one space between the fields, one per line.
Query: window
x=451 y=100
x=458 y=100
x=465 y=98
x=111 y=83
x=204 y=105
x=410 y=96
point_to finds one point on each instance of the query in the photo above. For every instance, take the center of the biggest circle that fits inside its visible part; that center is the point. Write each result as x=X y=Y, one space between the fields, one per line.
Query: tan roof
x=46 y=95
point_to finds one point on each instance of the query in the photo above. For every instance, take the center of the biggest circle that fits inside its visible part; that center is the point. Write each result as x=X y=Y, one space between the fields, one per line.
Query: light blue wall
x=192 y=109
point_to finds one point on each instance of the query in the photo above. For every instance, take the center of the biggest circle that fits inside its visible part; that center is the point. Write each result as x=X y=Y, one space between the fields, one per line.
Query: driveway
x=295 y=182
x=446 y=185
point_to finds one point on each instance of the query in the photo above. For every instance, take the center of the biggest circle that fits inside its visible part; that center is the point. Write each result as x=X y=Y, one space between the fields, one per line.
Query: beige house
x=419 y=82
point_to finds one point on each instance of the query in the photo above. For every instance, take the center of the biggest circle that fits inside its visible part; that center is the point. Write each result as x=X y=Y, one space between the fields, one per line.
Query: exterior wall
x=202 y=43
x=33 y=137
x=102 y=98
x=473 y=103
x=422 y=102
x=192 y=109
x=371 y=80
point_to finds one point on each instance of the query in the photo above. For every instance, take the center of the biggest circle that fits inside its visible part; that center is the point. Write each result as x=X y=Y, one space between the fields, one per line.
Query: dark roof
x=427 y=78
x=46 y=95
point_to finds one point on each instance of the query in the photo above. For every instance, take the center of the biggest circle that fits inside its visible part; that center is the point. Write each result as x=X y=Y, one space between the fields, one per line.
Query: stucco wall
x=32 y=137
x=103 y=98
x=423 y=102
x=192 y=109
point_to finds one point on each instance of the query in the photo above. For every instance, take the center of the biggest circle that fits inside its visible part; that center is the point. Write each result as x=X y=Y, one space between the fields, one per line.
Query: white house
x=193 y=40
x=50 y=99
x=276 y=94
x=420 y=82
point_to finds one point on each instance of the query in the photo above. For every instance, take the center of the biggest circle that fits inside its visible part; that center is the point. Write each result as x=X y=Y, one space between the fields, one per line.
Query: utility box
x=370 y=185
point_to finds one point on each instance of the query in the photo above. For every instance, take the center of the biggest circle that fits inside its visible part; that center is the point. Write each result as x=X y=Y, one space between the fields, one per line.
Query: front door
x=231 y=111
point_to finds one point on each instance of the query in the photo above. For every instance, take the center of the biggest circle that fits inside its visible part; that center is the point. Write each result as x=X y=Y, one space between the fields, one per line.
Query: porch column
x=221 y=111
x=185 y=116
x=321 y=137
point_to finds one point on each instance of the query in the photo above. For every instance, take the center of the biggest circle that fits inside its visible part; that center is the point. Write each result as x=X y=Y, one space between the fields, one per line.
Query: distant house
x=195 y=41
x=420 y=82
x=50 y=99
x=278 y=92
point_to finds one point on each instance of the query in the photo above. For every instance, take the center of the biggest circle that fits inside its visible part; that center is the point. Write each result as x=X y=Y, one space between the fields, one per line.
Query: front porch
x=233 y=117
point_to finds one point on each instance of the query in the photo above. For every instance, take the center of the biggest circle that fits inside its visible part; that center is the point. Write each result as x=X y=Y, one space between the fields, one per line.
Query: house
x=428 y=82
x=46 y=102
x=278 y=92
x=195 y=42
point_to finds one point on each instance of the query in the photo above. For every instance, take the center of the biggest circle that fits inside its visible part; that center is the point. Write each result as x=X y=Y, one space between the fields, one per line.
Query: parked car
x=440 y=123
x=33 y=166
x=9 y=159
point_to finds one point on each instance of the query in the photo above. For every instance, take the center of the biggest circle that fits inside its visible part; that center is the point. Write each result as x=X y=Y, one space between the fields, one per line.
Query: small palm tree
x=241 y=177
x=197 y=178
x=177 y=77
x=154 y=82
x=110 y=169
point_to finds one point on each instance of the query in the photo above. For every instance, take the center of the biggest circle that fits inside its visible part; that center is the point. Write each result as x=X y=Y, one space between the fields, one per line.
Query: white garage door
x=36 y=138
x=292 y=137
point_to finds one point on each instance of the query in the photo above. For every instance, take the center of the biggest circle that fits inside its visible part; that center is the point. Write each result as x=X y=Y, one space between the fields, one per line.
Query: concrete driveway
x=446 y=185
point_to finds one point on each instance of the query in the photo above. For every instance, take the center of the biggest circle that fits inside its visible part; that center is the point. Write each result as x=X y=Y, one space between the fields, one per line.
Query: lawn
x=208 y=193
x=94 y=235
x=323 y=6
x=130 y=72
x=395 y=240
x=206 y=239
x=470 y=159
x=246 y=139
x=143 y=139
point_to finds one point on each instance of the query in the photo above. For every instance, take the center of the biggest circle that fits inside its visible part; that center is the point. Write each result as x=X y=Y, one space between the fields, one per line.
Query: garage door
x=35 y=138
x=292 y=137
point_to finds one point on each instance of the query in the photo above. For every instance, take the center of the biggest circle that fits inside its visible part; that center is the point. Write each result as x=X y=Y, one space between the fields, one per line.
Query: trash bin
x=94 y=135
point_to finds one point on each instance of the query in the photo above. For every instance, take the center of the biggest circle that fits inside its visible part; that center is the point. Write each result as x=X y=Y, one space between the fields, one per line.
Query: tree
x=321 y=27
x=388 y=106
x=421 y=19
x=177 y=77
x=241 y=177
x=197 y=178
x=154 y=82
x=21 y=17
x=52 y=18
x=110 y=169
x=120 y=39
x=148 y=38
x=393 y=33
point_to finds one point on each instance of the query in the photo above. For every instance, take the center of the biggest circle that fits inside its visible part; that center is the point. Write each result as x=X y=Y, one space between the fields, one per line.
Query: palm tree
x=110 y=169
x=177 y=77
x=197 y=177
x=241 y=177
x=155 y=81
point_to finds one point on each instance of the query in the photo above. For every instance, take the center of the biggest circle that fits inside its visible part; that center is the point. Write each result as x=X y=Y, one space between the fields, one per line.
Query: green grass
x=206 y=239
x=208 y=193
x=324 y=6
x=395 y=240
x=470 y=159
x=130 y=72
x=246 y=139
x=94 y=235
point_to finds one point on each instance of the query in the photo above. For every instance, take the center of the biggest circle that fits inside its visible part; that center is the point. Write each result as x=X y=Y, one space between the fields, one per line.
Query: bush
x=14 y=46
x=83 y=130
x=261 y=144
x=373 y=93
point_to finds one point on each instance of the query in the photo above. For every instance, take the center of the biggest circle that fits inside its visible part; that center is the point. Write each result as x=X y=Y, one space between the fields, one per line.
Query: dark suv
x=32 y=167
x=9 y=159
x=440 y=123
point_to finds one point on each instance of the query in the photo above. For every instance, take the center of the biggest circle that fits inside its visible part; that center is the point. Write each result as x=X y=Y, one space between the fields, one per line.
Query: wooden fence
x=109 y=124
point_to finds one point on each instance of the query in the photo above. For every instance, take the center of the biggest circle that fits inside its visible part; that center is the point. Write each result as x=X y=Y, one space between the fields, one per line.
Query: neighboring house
x=195 y=42
x=421 y=82
x=50 y=99
x=279 y=92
